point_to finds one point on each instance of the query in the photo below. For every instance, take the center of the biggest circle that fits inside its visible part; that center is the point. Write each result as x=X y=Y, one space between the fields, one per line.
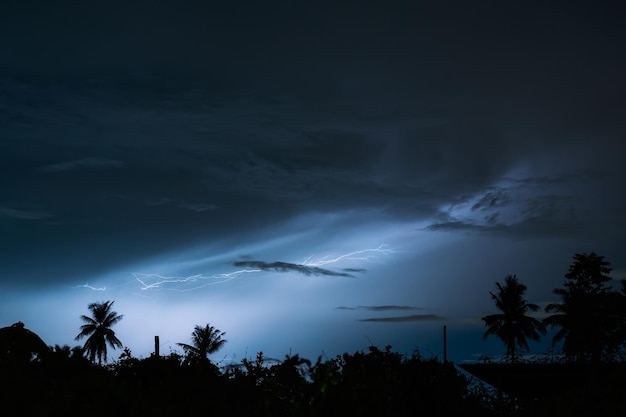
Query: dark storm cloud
x=388 y=308
x=194 y=123
x=359 y=270
x=198 y=207
x=490 y=200
x=540 y=218
x=394 y=319
x=166 y=138
x=526 y=207
x=24 y=214
x=200 y=151
x=87 y=163
x=290 y=267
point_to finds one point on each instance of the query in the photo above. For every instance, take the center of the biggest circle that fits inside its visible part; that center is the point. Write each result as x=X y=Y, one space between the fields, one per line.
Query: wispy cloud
x=291 y=267
x=516 y=212
x=394 y=319
x=490 y=200
x=380 y=308
x=360 y=270
x=24 y=214
x=455 y=225
x=400 y=319
x=160 y=202
x=84 y=163
x=198 y=207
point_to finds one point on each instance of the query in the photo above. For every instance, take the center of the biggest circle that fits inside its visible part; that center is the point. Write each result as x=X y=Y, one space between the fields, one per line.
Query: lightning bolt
x=160 y=282
x=155 y=281
x=366 y=255
x=86 y=285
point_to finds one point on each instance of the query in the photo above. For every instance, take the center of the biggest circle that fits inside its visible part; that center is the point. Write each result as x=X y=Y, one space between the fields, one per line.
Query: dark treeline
x=589 y=320
x=587 y=377
x=379 y=382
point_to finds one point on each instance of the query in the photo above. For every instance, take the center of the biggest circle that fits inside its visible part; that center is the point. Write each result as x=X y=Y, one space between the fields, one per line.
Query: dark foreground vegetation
x=586 y=378
x=379 y=382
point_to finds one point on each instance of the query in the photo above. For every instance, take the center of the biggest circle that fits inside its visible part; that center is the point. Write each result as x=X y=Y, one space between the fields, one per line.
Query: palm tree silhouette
x=584 y=318
x=513 y=326
x=98 y=330
x=205 y=340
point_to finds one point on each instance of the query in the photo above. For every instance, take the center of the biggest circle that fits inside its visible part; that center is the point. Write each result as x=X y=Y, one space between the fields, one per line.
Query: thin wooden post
x=445 y=346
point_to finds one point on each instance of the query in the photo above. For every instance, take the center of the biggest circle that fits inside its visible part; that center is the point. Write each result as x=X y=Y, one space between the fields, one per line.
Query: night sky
x=309 y=177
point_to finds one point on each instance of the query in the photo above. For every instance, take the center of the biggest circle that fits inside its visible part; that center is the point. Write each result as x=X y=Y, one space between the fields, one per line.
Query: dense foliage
x=591 y=317
x=379 y=382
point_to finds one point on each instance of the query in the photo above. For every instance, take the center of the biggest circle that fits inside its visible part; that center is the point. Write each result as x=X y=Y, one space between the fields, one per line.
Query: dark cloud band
x=401 y=319
x=380 y=308
x=290 y=267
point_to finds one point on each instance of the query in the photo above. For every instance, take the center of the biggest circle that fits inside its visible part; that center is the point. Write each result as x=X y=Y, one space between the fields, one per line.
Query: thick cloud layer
x=422 y=151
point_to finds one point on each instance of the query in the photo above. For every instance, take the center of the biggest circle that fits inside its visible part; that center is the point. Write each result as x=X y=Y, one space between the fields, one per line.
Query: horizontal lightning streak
x=371 y=257
x=160 y=282
x=155 y=281
x=86 y=285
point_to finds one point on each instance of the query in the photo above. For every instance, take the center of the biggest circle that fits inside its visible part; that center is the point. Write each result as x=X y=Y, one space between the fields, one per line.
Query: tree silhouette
x=589 y=314
x=20 y=346
x=618 y=299
x=205 y=340
x=98 y=330
x=512 y=325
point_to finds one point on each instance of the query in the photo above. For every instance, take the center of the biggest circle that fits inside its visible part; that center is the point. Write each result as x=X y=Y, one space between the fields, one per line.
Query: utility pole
x=156 y=346
x=445 y=345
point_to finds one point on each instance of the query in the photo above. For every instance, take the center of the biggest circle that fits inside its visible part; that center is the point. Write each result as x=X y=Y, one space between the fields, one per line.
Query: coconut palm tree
x=588 y=314
x=512 y=325
x=205 y=340
x=98 y=330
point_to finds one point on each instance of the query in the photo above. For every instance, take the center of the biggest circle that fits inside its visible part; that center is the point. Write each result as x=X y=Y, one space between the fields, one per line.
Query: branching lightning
x=310 y=266
x=372 y=255
x=86 y=285
x=160 y=282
